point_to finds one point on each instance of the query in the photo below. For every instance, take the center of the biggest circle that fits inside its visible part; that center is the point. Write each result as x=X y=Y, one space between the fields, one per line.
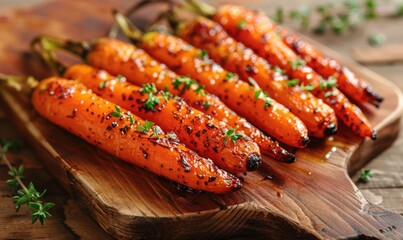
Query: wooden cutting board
x=313 y=198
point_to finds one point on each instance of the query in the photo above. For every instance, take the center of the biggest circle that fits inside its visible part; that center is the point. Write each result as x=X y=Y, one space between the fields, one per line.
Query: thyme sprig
x=233 y=136
x=24 y=195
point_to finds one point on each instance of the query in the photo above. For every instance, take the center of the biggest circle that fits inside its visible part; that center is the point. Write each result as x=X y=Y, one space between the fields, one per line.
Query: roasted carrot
x=70 y=105
x=248 y=101
x=318 y=117
x=198 y=131
x=139 y=68
x=247 y=27
x=350 y=84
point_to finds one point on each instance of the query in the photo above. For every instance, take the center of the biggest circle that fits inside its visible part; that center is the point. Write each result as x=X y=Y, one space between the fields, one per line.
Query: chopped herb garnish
x=166 y=94
x=328 y=84
x=118 y=113
x=293 y=82
x=365 y=175
x=145 y=127
x=259 y=94
x=309 y=87
x=252 y=82
x=186 y=81
x=231 y=134
x=148 y=88
x=102 y=85
x=120 y=78
x=330 y=93
x=202 y=53
x=279 y=70
x=200 y=90
x=229 y=76
x=241 y=24
x=206 y=105
x=151 y=102
x=299 y=62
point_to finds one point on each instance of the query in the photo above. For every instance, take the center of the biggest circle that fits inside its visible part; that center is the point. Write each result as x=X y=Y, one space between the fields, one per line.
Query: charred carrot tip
x=253 y=162
x=305 y=141
x=331 y=129
x=374 y=135
x=290 y=159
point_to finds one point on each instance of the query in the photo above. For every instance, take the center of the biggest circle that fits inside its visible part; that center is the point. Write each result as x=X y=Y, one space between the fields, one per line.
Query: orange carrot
x=139 y=68
x=248 y=101
x=249 y=28
x=70 y=105
x=318 y=117
x=353 y=86
x=198 y=131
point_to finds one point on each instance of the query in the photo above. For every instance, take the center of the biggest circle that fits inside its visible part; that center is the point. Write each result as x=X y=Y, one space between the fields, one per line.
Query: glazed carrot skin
x=353 y=86
x=204 y=33
x=273 y=118
x=198 y=131
x=139 y=68
x=248 y=28
x=70 y=105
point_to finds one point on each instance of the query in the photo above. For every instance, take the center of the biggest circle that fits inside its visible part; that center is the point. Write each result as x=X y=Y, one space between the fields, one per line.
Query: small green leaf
x=102 y=85
x=115 y=114
x=229 y=76
x=376 y=39
x=366 y=175
x=206 y=105
x=145 y=127
x=309 y=87
x=131 y=119
x=148 y=88
x=298 y=63
x=200 y=90
x=202 y=53
x=230 y=132
x=293 y=82
x=241 y=24
x=279 y=70
x=117 y=108
x=257 y=93
x=120 y=78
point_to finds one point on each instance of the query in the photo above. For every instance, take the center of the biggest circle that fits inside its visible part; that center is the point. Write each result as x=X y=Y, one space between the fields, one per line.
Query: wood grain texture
x=384 y=54
x=313 y=198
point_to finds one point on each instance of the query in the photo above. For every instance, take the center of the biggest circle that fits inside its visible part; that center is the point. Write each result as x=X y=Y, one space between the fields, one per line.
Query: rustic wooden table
x=69 y=221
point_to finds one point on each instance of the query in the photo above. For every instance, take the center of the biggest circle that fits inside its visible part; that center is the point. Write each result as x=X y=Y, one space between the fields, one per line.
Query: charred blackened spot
x=211 y=126
x=197 y=134
x=109 y=128
x=212 y=178
x=73 y=114
x=130 y=98
x=189 y=110
x=204 y=131
x=250 y=69
x=145 y=154
x=188 y=129
x=201 y=176
x=114 y=124
x=124 y=96
x=215 y=149
x=124 y=130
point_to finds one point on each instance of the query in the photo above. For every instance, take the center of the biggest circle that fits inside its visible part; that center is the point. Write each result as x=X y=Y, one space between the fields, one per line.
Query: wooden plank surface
x=88 y=230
